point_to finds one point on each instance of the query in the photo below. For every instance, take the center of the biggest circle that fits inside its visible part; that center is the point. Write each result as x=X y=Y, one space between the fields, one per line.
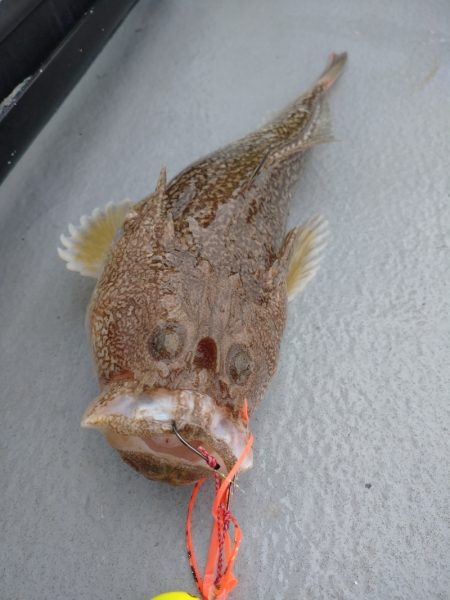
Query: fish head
x=183 y=345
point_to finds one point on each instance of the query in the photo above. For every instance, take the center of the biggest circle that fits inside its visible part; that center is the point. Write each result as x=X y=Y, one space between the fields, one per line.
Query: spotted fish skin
x=257 y=192
x=193 y=293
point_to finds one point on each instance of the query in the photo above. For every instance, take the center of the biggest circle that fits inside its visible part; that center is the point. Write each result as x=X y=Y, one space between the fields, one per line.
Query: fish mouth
x=142 y=425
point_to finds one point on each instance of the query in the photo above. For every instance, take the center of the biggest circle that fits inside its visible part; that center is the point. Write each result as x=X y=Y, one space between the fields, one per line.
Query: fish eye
x=167 y=341
x=239 y=364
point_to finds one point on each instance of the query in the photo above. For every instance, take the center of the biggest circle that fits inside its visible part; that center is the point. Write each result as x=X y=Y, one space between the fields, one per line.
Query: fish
x=192 y=286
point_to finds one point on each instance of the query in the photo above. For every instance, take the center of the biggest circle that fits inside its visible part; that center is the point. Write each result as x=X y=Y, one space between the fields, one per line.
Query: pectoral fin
x=306 y=254
x=87 y=246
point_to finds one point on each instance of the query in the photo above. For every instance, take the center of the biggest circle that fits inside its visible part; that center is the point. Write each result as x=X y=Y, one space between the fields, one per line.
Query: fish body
x=188 y=312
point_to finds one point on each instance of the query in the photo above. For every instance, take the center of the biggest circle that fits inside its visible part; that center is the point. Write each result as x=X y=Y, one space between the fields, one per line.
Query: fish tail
x=303 y=124
x=301 y=117
x=332 y=70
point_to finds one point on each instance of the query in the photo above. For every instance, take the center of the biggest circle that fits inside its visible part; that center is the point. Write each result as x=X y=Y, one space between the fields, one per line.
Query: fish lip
x=145 y=413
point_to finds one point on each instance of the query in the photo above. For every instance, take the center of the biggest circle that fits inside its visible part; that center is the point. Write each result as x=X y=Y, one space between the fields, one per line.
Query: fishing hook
x=188 y=445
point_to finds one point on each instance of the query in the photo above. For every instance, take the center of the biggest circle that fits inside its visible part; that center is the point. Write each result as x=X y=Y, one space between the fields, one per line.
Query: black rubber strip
x=30 y=31
x=34 y=101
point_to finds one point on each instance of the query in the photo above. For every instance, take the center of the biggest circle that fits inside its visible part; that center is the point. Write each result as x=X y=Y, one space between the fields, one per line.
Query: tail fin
x=304 y=123
x=333 y=70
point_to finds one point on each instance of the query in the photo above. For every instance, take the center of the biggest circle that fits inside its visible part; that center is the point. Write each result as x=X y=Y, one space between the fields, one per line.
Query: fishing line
x=218 y=578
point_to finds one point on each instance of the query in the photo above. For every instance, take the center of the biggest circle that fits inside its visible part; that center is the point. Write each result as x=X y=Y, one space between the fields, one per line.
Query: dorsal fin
x=319 y=133
x=161 y=184
x=154 y=207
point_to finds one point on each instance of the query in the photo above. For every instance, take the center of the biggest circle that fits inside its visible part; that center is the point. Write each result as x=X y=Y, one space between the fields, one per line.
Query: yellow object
x=307 y=249
x=88 y=245
x=175 y=596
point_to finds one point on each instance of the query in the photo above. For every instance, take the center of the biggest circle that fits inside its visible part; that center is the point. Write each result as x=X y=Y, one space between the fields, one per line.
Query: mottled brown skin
x=206 y=254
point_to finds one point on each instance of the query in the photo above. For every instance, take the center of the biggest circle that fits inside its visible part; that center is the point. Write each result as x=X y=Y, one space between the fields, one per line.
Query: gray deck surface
x=349 y=495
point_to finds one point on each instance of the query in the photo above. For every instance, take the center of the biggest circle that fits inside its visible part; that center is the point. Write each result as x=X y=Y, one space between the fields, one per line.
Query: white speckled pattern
x=349 y=495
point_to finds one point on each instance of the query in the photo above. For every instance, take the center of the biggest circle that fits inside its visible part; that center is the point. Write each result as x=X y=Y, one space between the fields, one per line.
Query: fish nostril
x=223 y=387
x=206 y=354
